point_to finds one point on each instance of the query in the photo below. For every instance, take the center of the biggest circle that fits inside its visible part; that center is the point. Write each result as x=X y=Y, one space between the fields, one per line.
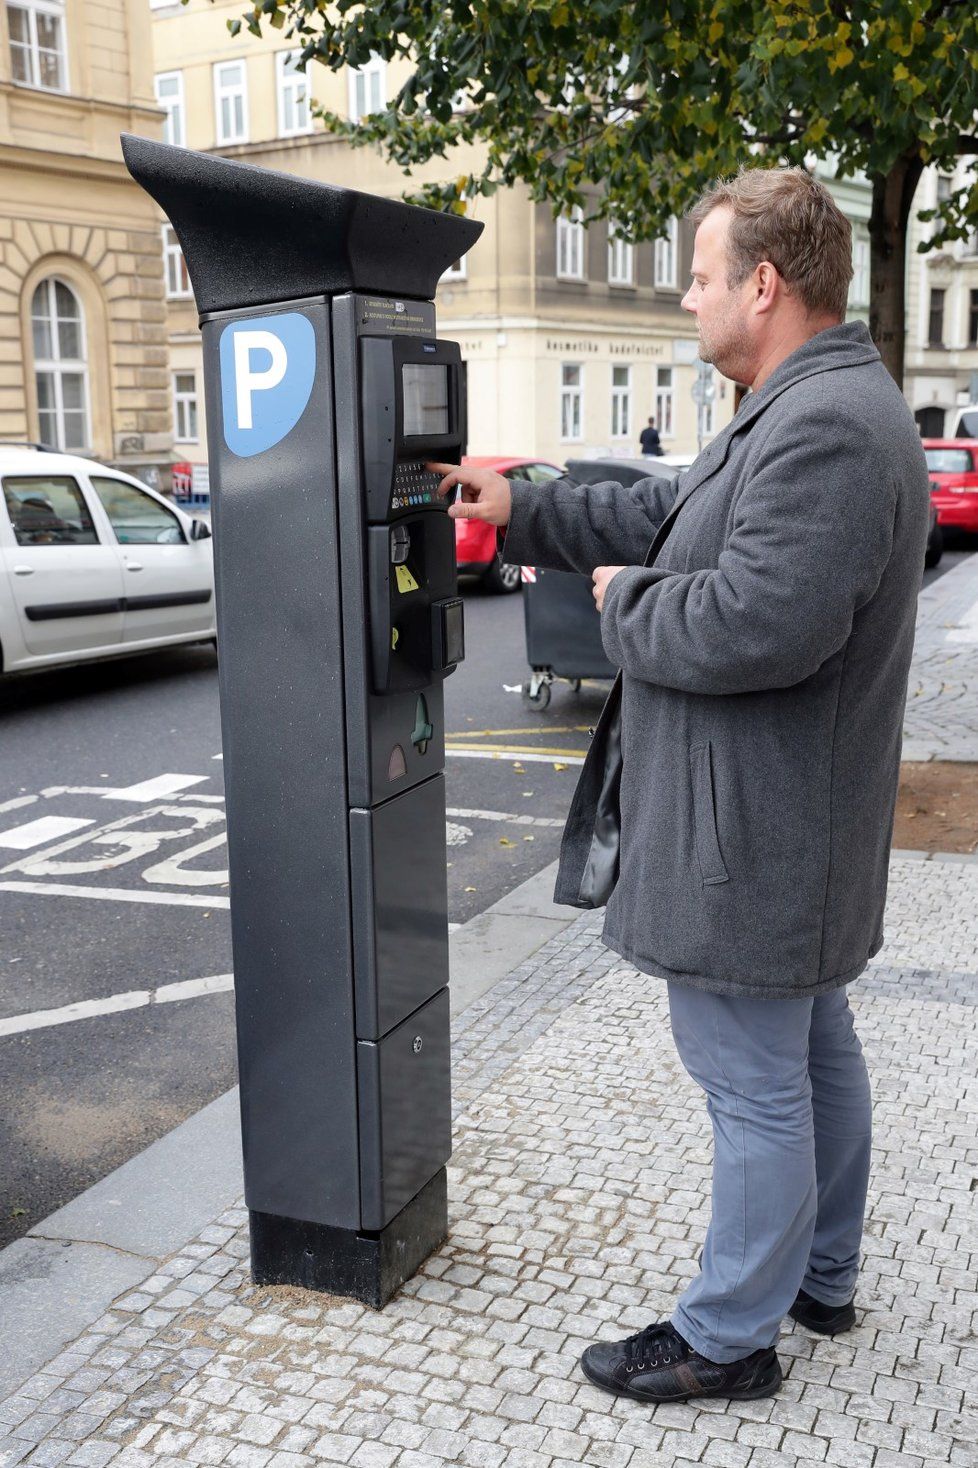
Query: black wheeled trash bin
x=563 y=627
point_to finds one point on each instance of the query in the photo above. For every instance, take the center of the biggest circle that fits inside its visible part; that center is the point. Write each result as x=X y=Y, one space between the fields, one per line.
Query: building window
x=708 y=410
x=859 y=285
x=37 y=44
x=292 y=89
x=571 y=400
x=621 y=261
x=458 y=271
x=621 y=402
x=935 y=319
x=665 y=253
x=185 y=407
x=60 y=371
x=368 y=89
x=231 y=102
x=973 y=318
x=663 y=401
x=174 y=266
x=570 y=245
x=169 y=95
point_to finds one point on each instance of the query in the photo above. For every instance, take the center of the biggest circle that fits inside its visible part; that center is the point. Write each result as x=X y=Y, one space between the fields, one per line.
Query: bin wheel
x=501 y=578
x=536 y=698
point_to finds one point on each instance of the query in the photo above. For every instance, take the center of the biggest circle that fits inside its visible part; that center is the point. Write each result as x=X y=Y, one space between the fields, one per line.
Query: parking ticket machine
x=327 y=390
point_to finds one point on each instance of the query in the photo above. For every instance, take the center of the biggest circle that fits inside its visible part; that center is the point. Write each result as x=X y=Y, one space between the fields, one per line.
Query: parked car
x=952 y=464
x=476 y=550
x=93 y=564
x=627 y=471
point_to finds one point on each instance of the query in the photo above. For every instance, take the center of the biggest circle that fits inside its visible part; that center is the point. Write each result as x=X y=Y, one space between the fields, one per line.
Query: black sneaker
x=657 y=1365
x=826 y=1319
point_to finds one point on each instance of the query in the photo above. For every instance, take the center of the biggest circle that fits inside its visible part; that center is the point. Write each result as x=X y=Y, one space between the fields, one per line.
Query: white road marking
x=115 y=894
x=519 y=759
x=42 y=1019
x=17 y=802
x=501 y=815
x=456 y=835
x=154 y=789
x=126 y=839
x=36 y=833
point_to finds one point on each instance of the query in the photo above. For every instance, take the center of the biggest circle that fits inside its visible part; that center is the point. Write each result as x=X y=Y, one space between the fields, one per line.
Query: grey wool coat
x=764 y=655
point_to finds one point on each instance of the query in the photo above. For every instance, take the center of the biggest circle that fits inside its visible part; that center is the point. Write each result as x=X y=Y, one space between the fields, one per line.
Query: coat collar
x=846 y=345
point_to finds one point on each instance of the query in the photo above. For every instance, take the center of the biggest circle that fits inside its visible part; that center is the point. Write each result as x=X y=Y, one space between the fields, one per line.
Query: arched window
x=58 y=329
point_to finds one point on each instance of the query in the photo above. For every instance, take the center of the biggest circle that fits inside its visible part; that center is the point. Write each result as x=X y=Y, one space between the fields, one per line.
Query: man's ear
x=767 y=285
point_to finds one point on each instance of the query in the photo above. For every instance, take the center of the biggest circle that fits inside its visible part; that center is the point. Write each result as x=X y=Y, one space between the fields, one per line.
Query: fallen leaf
x=470 y=889
x=528 y=838
x=527 y=794
x=505 y=841
x=560 y=767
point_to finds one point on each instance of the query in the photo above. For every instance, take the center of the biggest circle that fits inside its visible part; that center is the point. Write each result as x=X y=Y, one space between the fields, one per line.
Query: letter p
x=248 y=381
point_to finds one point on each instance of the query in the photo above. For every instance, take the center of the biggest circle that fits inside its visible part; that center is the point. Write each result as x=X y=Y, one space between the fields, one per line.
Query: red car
x=952 y=464
x=475 y=543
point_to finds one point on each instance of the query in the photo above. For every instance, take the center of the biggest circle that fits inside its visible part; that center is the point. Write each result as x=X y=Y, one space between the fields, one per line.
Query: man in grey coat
x=764 y=648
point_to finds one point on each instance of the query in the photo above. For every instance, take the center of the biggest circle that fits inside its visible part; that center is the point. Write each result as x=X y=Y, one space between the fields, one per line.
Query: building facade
x=941 y=373
x=572 y=340
x=83 y=341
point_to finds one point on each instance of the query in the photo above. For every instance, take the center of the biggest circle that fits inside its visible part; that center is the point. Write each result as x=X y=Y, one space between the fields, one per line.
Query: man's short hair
x=787 y=217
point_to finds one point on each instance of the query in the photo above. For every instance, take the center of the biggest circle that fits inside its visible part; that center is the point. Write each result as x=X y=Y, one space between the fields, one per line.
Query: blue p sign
x=267 y=368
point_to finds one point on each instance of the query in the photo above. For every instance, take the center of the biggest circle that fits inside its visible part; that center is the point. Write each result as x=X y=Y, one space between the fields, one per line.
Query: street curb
x=66 y=1271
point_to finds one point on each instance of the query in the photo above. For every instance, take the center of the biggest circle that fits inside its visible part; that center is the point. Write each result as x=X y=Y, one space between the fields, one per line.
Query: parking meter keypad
x=414 y=486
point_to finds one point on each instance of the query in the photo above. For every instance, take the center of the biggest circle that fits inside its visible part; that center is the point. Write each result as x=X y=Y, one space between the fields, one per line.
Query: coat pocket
x=712 y=868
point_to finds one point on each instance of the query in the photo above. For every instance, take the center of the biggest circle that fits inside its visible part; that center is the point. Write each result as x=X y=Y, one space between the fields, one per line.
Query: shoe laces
x=656 y=1345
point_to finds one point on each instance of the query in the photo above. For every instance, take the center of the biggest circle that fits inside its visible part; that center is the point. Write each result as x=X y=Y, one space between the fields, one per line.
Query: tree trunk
x=893 y=195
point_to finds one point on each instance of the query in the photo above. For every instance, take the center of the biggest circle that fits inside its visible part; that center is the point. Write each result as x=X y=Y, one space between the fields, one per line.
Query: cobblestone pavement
x=941 y=720
x=579 y=1200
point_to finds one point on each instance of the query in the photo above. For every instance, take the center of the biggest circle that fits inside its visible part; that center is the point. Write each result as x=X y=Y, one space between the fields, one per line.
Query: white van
x=93 y=564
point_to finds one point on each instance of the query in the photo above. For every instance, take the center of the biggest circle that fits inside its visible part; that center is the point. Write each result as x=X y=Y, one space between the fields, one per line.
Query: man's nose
x=687 y=304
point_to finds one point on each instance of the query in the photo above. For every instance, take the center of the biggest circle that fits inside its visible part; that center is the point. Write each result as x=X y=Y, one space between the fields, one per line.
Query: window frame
x=32 y=8
x=940 y=292
x=376 y=67
x=661 y=278
x=618 y=251
x=621 y=401
x=223 y=92
x=665 y=400
x=572 y=393
x=177 y=136
x=58 y=367
x=859 y=286
x=173 y=252
x=189 y=402
x=571 y=234
x=295 y=82
x=972 y=317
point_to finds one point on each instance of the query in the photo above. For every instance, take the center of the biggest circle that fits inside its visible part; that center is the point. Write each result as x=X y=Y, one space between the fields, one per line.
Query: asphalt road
x=121 y=892
x=117 y=901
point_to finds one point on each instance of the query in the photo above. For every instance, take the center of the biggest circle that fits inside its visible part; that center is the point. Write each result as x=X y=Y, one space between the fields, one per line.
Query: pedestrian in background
x=650 y=441
x=765 y=645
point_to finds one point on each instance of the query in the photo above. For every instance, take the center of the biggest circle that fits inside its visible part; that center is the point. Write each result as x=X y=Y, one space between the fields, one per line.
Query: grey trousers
x=789 y=1098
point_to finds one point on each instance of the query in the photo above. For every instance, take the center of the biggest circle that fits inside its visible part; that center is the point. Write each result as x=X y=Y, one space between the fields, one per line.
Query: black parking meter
x=338 y=619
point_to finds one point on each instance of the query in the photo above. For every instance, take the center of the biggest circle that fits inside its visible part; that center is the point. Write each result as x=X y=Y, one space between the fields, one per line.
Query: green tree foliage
x=629 y=110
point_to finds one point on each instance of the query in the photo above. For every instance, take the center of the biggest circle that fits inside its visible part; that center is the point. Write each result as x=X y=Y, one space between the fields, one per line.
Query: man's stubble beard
x=727 y=346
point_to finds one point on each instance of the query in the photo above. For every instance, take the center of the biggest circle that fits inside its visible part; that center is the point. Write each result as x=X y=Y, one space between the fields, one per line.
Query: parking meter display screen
x=425 y=393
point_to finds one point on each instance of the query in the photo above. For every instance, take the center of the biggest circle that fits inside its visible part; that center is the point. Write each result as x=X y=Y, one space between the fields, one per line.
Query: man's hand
x=485 y=494
x=601 y=577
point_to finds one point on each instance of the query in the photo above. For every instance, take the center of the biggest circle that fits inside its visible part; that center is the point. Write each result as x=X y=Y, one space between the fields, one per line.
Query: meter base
x=369 y=1267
